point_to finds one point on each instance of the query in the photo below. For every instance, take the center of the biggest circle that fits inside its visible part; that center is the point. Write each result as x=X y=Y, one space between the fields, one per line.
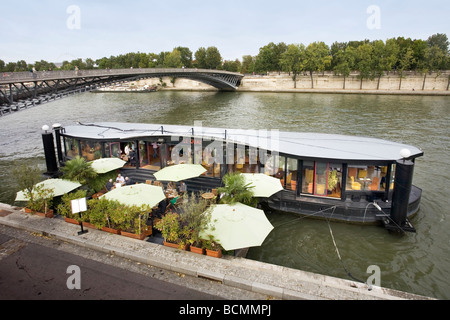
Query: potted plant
x=135 y=222
x=194 y=216
x=170 y=229
x=236 y=190
x=65 y=207
x=79 y=170
x=213 y=248
x=40 y=201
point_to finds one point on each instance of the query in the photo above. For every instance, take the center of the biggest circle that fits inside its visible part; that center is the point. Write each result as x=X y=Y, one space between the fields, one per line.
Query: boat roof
x=298 y=144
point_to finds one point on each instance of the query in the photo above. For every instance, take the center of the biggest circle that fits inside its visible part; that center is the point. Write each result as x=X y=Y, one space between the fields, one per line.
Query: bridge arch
x=22 y=89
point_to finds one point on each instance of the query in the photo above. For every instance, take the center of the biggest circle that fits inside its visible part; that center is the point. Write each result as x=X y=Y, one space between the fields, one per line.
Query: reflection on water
x=415 y=263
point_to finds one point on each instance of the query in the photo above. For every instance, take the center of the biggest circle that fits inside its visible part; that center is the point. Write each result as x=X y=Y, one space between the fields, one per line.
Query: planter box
x=175 y=245
x=141 y=236
x=70 y=220
x=215 y=254
x=198 y=250
x=88 y=225
x=49 y=214
x=171 y=245
x=111 y=230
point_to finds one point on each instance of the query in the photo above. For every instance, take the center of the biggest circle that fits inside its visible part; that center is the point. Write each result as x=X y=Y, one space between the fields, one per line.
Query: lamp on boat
x=45 y=128
x=405 y=153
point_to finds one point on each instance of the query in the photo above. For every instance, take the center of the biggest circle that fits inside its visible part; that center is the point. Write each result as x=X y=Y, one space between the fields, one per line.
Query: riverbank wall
x=250 y=276
x=410 y=84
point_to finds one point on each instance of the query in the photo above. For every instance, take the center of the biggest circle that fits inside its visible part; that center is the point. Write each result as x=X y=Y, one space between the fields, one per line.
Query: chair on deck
x=355 y=185
x=375 y=185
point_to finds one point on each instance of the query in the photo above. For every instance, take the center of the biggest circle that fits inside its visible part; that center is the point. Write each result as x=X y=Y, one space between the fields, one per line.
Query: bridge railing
x=11 y=77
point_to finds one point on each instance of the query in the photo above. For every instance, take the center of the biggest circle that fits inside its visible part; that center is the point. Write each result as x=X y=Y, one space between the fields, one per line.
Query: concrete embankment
x=412 y=84
x=248 y=275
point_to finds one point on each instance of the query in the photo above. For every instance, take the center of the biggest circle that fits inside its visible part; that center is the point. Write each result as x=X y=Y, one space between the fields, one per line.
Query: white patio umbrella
x=180 y=172
x=237 y=226
x=264 y=185
x=137 y=194
x=59 y=187
x=107 y=164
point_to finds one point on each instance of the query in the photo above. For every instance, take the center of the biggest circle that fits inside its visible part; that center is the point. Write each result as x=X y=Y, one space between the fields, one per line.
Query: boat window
x=91 y=150
x=334 y=183
x=71 y=147
x=275 y=166
x=291 y=174
x=212 y=159
x=245 y=160
x=308 y=177
x=144 y=154
x=320 y=178
x=112 y=150
x=180 y=152
x=391 y=183
x=366 y=178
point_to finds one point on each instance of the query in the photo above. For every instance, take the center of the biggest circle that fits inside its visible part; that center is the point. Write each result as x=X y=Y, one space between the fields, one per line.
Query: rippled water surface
x=417 y=263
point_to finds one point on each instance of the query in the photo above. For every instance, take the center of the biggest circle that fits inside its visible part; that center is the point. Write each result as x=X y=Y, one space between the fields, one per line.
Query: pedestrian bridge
x=20 y=90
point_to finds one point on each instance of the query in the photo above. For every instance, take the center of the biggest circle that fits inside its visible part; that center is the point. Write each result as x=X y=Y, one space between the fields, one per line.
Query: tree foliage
x=369 y=58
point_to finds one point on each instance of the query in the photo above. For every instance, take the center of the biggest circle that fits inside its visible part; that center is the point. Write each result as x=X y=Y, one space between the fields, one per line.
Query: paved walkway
x=276 y=281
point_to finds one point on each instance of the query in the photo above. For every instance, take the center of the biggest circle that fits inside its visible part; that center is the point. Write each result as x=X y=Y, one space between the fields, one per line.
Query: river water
x=415 y=262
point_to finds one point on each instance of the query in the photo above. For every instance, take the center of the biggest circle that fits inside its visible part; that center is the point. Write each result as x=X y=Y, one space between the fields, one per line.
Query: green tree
x=26 y=177
x=248 y=64
x=2 y=65
x=213 y=58
x=345 y=62
x=440 y=40
x=292 y=60
x=336 y=50
x=236 y=190
x=200 y=58
x=420 y=48
x=268 y=58
x=317 y=58
x=78 y=170
x=185 y=56
x=364 y=62
x=384 y=57
x=232 y=66
x=173 y=60
x=405 y=60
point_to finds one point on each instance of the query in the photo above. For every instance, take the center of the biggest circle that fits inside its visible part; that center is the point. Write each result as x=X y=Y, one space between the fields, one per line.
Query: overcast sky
x=65 y=30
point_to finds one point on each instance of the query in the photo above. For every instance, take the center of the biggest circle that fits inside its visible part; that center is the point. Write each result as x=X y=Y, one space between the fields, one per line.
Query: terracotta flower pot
x=70 y=220
x=111 y=230
x=48 y=214
x=213 y=253
x=198 y=250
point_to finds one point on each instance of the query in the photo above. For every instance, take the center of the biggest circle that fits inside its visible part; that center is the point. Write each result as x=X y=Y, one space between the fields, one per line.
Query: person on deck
x=109 y=185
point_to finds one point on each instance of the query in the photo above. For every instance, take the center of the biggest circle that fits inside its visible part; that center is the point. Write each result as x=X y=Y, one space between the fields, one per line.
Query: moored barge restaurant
x=336 y=177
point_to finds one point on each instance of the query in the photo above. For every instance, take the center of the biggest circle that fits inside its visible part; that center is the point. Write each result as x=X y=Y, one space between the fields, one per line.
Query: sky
x=55 y=31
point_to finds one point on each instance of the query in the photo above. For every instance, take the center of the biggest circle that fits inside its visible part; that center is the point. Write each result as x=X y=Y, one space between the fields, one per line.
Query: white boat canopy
x=297 y=144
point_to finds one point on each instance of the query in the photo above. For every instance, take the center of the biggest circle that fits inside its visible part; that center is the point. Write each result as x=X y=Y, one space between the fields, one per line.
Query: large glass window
x=71 y=147
x=291 y=174
x=369 y=178
x=334 y=183
x=308 y=177
x=322 y=179
x=91 y=150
